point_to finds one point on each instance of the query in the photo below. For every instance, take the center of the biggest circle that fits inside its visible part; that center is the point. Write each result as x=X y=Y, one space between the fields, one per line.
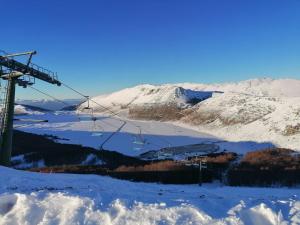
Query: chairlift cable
x=56 y=99
x=113 y=114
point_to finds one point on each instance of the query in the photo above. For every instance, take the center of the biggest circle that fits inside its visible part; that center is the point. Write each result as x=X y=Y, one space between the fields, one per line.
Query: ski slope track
x=28 y=198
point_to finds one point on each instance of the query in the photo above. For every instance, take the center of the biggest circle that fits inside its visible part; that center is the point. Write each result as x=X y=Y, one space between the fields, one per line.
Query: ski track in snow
x=64 y=199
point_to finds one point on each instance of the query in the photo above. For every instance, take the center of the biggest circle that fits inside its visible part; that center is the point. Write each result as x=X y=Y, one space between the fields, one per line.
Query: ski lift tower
x=22 y=74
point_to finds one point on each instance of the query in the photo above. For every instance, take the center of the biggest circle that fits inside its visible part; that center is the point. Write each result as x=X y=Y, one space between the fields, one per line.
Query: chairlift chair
x=139 y=141
x=88 y=103
x=96 y=132
x=89 y=110
x=138 y=138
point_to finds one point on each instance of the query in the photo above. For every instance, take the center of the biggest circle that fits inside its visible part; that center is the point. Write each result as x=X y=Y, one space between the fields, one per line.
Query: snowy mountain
x=49 y=104
x=28 y=110
x=149 y=94
x=24 y=109
x=188 y=93
x=262 y=110
x=239 y=117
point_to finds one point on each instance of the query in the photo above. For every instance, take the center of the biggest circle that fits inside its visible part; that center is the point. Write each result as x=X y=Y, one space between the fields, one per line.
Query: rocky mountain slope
x=239 y=117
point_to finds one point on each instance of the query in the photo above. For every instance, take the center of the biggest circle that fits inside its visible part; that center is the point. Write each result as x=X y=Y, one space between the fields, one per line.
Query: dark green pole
x=7 y=126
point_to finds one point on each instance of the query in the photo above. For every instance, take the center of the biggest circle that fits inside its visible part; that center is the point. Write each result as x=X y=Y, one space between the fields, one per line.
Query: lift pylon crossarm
x=32 y=70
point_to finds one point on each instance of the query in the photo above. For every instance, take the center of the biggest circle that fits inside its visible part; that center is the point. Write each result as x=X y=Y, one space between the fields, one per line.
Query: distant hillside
x=48 y=104
x=240 y=117
x=69 y=108
x=25 y=109
x=35 y=108
x=263 y=110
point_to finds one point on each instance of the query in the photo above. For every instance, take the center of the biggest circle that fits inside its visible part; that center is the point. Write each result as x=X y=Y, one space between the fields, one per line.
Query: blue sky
x=99 y=46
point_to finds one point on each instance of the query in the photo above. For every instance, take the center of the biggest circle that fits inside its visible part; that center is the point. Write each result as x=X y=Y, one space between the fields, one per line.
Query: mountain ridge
x=259 y=110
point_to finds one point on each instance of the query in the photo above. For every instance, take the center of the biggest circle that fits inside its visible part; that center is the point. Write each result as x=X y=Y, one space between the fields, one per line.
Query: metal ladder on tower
x=3 y=92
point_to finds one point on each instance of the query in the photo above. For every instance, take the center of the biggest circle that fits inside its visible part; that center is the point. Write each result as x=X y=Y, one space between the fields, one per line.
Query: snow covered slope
x=239 y=117
x=20 y=109
x=28 y=198
x=261 y=110
x=149 y=94
x=156 y=135
x=185 y=93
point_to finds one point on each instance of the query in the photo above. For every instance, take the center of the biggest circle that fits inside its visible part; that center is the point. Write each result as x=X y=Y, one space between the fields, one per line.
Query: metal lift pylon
x=15 y=72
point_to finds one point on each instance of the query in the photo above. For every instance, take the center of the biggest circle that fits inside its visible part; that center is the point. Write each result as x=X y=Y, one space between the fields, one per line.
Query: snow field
x=156 y=134
x=33 y=198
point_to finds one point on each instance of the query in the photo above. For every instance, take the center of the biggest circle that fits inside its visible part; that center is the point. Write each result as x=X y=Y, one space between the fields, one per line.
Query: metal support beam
x=32 y=70
x=7 y=126
x=13 y=74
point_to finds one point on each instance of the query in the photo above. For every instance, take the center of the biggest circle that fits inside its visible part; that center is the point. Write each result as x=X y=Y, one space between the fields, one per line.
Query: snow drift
x=32 y=198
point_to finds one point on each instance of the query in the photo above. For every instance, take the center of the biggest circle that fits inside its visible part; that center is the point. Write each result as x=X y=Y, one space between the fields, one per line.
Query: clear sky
x=99 y=46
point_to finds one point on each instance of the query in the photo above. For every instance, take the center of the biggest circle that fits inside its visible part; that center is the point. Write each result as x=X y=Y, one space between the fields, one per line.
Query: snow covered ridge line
x=63 y=199
x=49 y=104
x=191 y=93
x=147 y=95
x=260 y=87
x=23 y=110
x=238 y=117
x=27 y=110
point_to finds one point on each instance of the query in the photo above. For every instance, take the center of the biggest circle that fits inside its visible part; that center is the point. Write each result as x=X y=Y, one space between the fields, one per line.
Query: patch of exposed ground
x=160 y=112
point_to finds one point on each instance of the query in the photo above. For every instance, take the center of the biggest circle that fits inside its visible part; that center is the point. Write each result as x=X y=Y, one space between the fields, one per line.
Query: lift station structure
x=22 y=74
